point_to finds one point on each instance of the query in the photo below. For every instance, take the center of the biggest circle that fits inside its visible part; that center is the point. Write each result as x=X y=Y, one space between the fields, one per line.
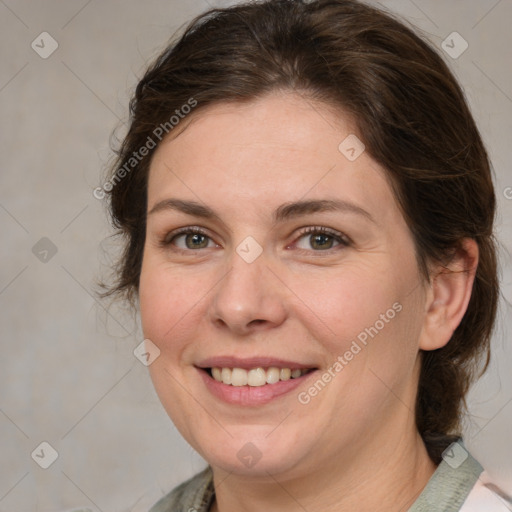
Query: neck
x=364 y=481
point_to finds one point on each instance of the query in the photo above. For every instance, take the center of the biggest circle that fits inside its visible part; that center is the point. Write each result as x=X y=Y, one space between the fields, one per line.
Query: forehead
x=278 y=148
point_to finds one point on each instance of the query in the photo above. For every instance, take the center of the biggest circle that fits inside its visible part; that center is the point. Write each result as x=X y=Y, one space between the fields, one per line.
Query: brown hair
x=410 y=113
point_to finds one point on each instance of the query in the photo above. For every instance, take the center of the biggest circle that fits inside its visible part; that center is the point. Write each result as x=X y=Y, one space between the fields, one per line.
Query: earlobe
x=448 y=296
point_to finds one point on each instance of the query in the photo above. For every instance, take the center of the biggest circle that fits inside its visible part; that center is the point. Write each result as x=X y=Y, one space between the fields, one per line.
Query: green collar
x=446 y=490
x=451 y=483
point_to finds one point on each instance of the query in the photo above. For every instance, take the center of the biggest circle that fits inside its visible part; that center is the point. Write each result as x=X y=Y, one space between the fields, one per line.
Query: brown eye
x=195 y=241
x=188 y=239
x=321 y=239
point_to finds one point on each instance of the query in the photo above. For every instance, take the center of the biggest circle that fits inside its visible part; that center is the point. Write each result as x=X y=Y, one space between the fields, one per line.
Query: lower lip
x=251 y=395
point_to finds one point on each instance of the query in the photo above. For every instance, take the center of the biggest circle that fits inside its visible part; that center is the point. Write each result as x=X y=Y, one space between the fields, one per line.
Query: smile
x=255 y=377
x=254 y=381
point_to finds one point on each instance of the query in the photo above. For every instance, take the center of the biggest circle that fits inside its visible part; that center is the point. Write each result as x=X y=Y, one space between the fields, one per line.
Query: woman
x=308 y=213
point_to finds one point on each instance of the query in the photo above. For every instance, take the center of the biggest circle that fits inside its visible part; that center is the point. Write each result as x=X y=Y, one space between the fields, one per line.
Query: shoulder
x=460 y=484
x=195 y=494
x=486 y=496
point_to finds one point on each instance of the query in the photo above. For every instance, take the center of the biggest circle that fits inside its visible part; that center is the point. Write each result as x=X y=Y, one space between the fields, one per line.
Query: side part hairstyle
x=410 y=113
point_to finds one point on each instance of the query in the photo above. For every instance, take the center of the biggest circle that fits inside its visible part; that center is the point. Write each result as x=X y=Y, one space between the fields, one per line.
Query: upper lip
x=250 y=362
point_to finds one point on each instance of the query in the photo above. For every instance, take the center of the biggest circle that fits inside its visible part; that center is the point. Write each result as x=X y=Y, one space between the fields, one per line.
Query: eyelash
x=343 y=240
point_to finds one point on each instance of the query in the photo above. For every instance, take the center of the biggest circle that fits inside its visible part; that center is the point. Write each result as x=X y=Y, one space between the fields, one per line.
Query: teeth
x=225 y=375
x=285 y=374
x=238 y=377
x=272 y=375
x=216 y=374
x=255 y=377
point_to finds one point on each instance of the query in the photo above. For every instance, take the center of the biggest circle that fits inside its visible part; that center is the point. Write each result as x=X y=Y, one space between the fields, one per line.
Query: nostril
x=256 y=322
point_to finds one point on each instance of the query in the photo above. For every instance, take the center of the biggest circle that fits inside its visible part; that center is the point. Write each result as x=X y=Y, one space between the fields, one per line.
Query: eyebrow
x=284 y=212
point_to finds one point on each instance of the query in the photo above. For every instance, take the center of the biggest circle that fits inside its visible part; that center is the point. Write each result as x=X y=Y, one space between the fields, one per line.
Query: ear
x=448 y=296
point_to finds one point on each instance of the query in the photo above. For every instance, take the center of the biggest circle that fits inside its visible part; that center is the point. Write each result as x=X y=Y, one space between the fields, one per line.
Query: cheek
x=345 y=304
x=369 y=318
x=167 y=303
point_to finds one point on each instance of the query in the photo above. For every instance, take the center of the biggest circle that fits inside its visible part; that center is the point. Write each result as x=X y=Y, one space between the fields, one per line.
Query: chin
x=258 y=455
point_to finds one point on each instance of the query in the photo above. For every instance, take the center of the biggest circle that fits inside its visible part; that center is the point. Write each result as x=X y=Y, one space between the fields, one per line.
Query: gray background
x=68 y=375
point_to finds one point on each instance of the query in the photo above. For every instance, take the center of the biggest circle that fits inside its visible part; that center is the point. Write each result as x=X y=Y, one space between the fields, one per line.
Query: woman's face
x=254 y=290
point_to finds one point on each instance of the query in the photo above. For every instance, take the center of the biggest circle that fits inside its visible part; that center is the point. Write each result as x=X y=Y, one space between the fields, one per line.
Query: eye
x=321 y=239
x=189 y=238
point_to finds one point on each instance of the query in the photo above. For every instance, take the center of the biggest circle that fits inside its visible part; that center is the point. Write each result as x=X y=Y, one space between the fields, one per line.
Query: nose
x=250 y=297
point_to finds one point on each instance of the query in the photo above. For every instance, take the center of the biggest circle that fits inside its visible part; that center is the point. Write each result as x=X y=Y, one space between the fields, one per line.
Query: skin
x=355 y=445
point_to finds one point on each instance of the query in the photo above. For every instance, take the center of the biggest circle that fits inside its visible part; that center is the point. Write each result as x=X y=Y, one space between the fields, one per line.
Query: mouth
x=252 y=381
x=255 y=377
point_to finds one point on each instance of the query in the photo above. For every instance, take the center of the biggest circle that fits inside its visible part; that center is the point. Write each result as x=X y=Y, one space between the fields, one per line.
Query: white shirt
x=483 y=498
